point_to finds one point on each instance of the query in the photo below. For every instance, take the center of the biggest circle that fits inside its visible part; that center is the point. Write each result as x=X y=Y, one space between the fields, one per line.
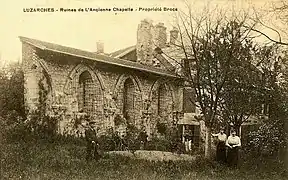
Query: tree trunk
x=237 y=129
x=208 y=143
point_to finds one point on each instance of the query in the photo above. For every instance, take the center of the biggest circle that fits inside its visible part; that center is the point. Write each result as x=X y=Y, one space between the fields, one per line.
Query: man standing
x=91 y=140
x=143 y=139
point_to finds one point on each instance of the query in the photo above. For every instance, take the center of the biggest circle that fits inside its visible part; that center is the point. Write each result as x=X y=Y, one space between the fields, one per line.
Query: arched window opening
x=162 y=95
x=90 y=99
x=162 y=102
x=128 y=100
x=85 y=92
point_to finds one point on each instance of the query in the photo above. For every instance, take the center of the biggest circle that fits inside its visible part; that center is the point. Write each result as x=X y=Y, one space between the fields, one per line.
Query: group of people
x=232 y=144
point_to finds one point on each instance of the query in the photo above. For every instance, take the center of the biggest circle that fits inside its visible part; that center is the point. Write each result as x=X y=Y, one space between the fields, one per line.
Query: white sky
x=82 y=30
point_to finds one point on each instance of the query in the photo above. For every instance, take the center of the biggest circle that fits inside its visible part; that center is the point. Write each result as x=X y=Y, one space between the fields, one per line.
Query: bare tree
x=216 y=55
x=274 y=19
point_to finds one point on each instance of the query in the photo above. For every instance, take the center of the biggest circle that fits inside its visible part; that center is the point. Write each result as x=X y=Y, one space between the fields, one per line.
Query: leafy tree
x=12 y=91
x=244 y=92
x=273 y=132
x=218 y=55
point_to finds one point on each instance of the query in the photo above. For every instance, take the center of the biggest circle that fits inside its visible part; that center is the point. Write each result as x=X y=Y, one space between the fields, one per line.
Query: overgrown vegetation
x=67 y=161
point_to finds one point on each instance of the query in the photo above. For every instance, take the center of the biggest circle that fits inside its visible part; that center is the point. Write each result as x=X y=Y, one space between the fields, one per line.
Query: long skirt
x=232 y=157
x=221 y=152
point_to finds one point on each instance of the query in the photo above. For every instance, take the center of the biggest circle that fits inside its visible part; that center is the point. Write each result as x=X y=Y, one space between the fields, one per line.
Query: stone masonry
x=107 y=89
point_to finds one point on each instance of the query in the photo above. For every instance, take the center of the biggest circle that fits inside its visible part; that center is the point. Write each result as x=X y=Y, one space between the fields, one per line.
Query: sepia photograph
x=144 y=90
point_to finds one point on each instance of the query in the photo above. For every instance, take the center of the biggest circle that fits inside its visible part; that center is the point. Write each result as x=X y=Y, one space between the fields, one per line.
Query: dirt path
x=156 y=155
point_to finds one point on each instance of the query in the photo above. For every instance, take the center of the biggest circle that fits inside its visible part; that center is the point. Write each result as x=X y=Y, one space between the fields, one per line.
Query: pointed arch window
x=85 y=92
x=128 y=100
x=90 y=98
x=162 y=95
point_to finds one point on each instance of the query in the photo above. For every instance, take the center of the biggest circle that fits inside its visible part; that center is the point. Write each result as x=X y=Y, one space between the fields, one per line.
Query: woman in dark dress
x=233 y=142
x=221 y=148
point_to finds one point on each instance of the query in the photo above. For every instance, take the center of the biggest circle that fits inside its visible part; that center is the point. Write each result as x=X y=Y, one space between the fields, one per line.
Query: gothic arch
x=76 y=93
x=46 y=73
x=157 y=84
x=162 y=100
x=80 y=68
x=122 y=78
x=133 y=112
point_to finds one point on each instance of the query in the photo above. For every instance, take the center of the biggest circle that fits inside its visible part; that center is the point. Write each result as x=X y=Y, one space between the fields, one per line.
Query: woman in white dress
x=233 y=143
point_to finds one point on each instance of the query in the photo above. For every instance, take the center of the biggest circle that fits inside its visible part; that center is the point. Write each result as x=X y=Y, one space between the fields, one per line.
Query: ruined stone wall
x=62 y=74
x=35 y=72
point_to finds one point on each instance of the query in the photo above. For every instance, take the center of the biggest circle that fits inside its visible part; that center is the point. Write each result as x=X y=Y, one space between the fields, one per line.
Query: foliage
x=12 y=91
x=169 y=140
x=270 y=140
x=69 y=140
x=161 y=128
x=219 y=67
x=119 y=120
x=267 y=141
x=220 y=63
x=15 y=123
x=39 y=123
x=44 y=160
x=131 y=137
x=159 y=144
x=243 y=90
x=111 y=141
x=12 y=110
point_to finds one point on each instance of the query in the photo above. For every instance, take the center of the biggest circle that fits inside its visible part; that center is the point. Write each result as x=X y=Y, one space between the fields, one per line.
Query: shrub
x=108 y=142
x=12 y=91
x=159 y=144
x=267 y=141
x=42 y=126
x=131 y=138
x=13 y=128
x=161 y=128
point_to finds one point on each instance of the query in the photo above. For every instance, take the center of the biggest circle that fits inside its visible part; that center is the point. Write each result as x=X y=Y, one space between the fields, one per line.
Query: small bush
x=159 y=144
x=131 y=138
x=161 y=128
x=267 y=141
x=108 y=142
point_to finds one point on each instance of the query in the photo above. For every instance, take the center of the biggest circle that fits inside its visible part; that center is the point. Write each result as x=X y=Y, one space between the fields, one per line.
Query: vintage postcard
x=140 y=89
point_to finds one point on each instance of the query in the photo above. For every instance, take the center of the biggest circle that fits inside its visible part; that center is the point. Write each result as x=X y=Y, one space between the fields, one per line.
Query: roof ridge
x=121 y=52
x=43 y=45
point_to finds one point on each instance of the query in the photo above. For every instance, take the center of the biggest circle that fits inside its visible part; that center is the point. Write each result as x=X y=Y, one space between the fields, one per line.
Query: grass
x=36 y=160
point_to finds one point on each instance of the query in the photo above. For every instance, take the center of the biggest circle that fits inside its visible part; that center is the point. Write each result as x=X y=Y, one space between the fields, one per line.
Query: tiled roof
x=95 y=57
x=122 y=52
x=168 y=56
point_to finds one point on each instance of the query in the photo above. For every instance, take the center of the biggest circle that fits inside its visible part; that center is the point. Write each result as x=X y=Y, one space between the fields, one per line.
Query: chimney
x=160 y=35
x=174 y=35
x=145 y=46
x=100 y=47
